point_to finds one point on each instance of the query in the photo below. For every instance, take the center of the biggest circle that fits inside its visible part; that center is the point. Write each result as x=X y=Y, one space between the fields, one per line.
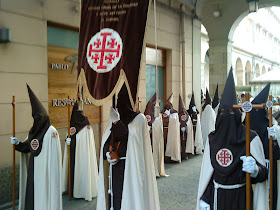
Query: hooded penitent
x=134 y=171
x=191 y=105
x=186 y=130
x=77 y=122
x=229 y=132
x=165 y=118
x=222 y=182
x=150 y=110
x=37 y=181
x=259 y=121
x=207 y=100
x=208 y=118
x=216 y=99
x=171 y=131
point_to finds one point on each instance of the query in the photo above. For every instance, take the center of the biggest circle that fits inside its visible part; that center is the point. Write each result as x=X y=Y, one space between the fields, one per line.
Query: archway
x=239 y=72
x=248 y=73
x=257 y=71
x=263 y=70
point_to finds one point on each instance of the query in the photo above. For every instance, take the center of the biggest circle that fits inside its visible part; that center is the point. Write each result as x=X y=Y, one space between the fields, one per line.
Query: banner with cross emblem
x=110 y=46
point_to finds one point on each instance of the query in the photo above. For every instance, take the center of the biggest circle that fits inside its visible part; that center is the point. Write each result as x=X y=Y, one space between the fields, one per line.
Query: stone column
x=219 y=63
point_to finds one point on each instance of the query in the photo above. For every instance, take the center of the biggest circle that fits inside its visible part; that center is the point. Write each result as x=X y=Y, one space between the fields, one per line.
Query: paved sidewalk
x=176 y=192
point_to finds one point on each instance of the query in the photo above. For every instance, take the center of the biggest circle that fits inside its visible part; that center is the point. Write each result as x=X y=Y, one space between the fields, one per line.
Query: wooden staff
x=14 y=153
x=248 y=153
x=69 y=168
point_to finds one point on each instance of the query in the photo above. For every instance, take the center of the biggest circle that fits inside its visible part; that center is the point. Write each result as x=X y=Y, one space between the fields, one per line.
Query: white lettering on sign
x=59 y=66
x=65 y=102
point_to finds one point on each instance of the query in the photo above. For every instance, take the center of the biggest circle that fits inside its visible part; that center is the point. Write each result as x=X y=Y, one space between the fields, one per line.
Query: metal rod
x=270 y=160
x=14 y=154
x=69 y=167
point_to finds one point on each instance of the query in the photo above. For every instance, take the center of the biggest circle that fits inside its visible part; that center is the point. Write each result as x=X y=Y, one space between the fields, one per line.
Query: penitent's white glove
x=14 y=140
x=203 y=205
x=194 y=108
x=167 y=111
x=183 y=129
x=250 y=166
x=149 y=128
x=271 y=132
x=114 y=115
x=109 y=159
x=68 y=141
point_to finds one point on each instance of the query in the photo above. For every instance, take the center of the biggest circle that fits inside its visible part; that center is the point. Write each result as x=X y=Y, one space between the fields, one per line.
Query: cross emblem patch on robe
x=224 y=157
x=34 y=144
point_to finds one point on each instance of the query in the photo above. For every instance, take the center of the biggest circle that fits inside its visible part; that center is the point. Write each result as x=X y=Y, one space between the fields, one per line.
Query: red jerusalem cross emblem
x=34 y=144
x=149 y=118
x=224 y=157
x=184 y=117
x=104 y=50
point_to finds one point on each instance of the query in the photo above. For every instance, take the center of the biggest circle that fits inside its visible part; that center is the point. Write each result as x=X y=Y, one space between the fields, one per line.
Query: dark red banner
x=110 y=45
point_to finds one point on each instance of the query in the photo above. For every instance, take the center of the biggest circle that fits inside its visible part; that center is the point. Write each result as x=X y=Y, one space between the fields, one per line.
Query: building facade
x=43 y=53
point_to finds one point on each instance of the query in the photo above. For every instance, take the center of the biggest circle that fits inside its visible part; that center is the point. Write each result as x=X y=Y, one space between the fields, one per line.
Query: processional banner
x=110 y=46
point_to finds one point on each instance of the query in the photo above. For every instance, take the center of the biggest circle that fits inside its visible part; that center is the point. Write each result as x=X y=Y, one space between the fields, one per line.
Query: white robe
x=158 y=146
x=216 y=109
x=173 y=144
x=140 y=187
x=277 y=132
x=86 y=170
x=260 y=199
x=208 y=120
x=198 y=142
x=190 y=140
x=47 y=174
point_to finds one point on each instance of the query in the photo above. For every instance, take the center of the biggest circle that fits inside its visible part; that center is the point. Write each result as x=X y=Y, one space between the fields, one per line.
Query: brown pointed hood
x=150 y=110
x=40 y=126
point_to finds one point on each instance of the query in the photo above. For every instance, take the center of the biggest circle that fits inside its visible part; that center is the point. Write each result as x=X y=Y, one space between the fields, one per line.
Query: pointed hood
x=150 y=109
x=169 y=105
x=124 y=106
x=78 y=119
x=40 y=126
x=216 y=99
x=229 y=95
x=259 y=121
x=191 y=105
x=182 y=107
x=207 y=100
x=170 y=99
x=229 y=132
x=262 y=96
x=183 y=114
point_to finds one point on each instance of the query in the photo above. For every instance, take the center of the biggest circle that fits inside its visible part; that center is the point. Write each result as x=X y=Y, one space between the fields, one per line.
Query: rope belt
x=165 y=127
x=224 y=187
x=110 y=191
x=267 y=163
x=184 y=132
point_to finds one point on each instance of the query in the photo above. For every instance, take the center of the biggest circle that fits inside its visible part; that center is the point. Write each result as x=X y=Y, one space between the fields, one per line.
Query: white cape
x=173 y=144
x=208 y=120
x=47 y=174
x=86 y=170
x=158 y=146
x=260 y=199
x=190 y=140
x=216 y=109
x=140 y=187
x=198 y=143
